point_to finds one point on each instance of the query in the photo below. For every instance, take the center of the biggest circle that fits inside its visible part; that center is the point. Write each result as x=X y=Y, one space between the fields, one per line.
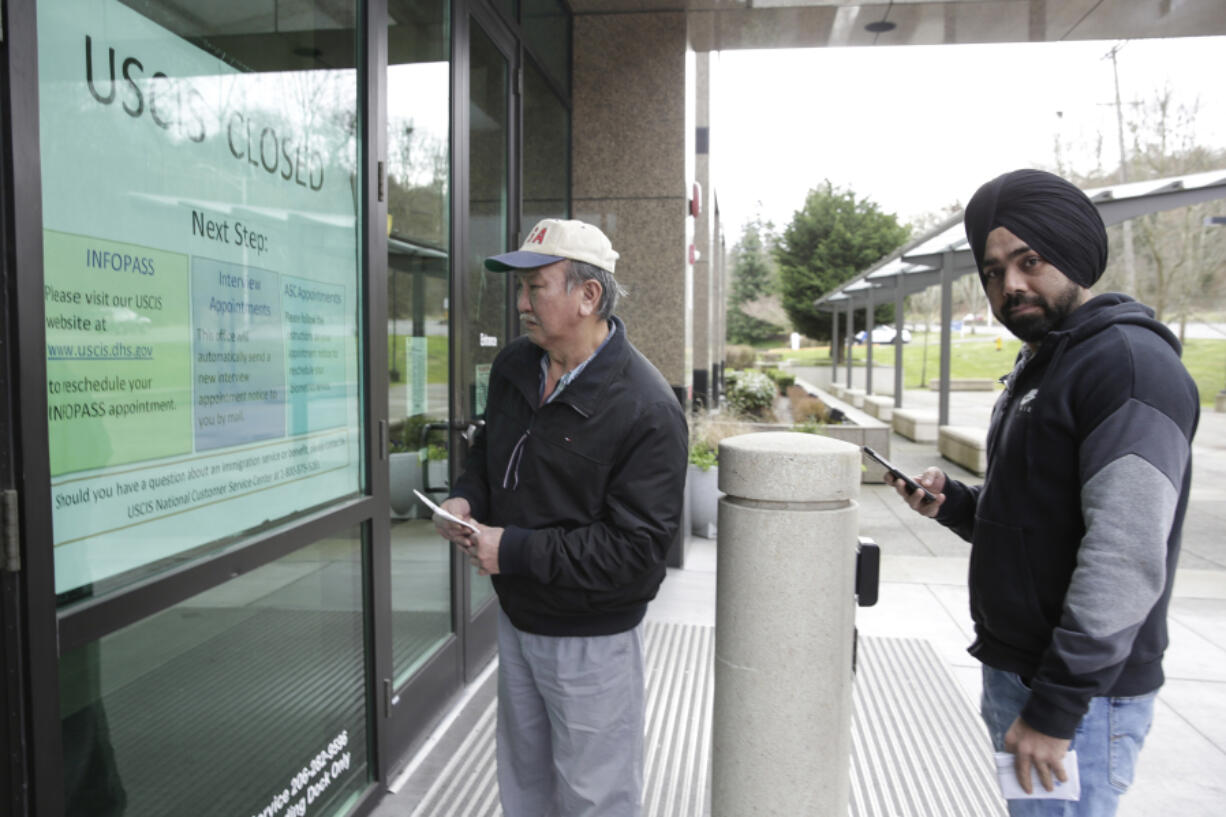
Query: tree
x=753 y=287
x=1178 y=261
x=831 y=239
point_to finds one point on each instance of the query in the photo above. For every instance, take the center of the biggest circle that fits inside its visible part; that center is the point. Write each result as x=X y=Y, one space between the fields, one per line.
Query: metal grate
x=918 y=749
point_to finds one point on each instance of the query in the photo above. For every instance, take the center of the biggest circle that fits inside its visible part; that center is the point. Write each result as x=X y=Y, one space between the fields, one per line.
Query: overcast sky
x=920 y=127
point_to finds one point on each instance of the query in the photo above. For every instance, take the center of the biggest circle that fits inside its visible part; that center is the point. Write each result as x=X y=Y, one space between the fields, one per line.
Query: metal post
x=851 y=334
x=899 y=323
x=784 y=624
x=947 y=316
x=834 y=345
x=868 y=330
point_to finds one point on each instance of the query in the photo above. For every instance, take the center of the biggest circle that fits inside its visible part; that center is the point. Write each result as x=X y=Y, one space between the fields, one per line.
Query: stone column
x=631 y=146
x=784 y=625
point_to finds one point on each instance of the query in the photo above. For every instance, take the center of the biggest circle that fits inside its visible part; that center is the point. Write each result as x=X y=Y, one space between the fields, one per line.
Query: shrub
x=808 y=409
x=739 y=357
x=706 y=431
x=782 y=379
x=752 y=394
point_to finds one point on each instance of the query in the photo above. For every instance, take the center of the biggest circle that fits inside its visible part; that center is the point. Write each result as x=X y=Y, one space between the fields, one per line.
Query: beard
x=1033 y=327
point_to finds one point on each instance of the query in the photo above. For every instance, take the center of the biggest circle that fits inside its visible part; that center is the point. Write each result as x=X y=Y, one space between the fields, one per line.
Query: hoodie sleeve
x=958 y=510
x=1134 y=462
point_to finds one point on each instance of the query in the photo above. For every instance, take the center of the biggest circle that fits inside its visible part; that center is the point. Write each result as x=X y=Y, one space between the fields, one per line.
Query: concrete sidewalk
x=923 y=595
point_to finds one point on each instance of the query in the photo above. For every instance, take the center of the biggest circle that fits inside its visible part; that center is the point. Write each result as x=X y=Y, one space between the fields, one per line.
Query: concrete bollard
x=784 y=625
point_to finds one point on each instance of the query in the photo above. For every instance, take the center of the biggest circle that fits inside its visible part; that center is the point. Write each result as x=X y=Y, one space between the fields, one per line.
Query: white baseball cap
x=553 y=240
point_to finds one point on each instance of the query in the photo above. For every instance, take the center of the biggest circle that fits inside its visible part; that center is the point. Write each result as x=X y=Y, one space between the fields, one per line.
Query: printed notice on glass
x=201 y=268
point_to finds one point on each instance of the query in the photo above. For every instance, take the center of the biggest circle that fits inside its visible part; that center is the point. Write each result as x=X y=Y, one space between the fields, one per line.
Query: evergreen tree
x=753 y=278
x=831 y=239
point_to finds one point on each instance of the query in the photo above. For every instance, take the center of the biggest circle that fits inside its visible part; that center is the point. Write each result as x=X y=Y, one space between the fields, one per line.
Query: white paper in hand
x=450 y=517
x=1012 y=790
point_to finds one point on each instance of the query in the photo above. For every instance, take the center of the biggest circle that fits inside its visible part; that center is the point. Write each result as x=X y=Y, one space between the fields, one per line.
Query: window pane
x=418 y=265
x=546 y=148
x=247 y=696
x=547 y=32
x=487 y=224
x=201 y=275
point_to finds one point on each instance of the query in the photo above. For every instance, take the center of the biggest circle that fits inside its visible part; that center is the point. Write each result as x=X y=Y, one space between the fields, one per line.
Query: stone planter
x=704 y=501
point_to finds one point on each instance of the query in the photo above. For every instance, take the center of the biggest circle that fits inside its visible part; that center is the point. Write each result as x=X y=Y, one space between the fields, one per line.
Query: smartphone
x=892 y=470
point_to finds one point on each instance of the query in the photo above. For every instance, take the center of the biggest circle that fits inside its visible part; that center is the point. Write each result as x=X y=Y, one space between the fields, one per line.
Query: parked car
x=884 y=334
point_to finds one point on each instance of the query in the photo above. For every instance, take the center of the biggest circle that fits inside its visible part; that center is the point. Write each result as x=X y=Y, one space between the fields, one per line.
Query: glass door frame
x=38 y=633
x=34 y=632
x=478 y=632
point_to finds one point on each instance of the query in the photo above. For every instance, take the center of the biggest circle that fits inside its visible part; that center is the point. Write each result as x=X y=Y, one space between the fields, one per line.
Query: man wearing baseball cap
x=576 y=488
x=1075 y=530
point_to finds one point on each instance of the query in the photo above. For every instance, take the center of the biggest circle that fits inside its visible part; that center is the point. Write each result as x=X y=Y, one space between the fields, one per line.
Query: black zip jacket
x=588 y=488
x=1075 y=530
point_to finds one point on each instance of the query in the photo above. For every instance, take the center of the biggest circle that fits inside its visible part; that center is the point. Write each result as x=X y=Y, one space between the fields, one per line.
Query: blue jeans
x=1107 y=742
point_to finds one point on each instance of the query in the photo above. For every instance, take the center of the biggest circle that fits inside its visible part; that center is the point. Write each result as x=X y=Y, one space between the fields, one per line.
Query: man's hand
x=456 y=534
x=482 y=550
x=1032 y=748
x=933 y=479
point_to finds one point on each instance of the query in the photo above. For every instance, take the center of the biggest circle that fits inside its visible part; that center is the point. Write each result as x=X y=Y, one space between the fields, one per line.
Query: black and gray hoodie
x=1075 y=530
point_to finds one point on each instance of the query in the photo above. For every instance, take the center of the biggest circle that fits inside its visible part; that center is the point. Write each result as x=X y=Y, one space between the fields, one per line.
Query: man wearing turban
x=1075 y=530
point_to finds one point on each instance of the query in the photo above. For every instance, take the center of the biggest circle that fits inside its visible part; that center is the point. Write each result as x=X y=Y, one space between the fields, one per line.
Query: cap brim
x=520 y=259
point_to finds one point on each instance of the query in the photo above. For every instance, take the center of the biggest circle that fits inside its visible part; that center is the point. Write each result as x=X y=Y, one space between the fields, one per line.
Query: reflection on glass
x=546 y=171
x=509 y=8
x=246 y=696
x=200 y=228
x=417 y=297
x=487 y=225
x=547 y=31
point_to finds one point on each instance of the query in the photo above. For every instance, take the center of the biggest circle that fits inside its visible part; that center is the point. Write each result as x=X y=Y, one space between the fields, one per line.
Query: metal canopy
x=918 y=265
x=943 y=255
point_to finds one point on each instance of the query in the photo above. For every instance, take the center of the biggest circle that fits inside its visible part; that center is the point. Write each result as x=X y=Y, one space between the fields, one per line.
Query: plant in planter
x=783 y=380
x=409 y=452
x=751 y=394
x=702 y=480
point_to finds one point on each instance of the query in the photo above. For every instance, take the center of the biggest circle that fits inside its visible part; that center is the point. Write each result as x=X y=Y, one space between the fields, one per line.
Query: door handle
x=471 y=429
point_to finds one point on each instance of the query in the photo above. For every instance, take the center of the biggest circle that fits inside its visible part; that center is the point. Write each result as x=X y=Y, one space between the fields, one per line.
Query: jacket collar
x=585 y=393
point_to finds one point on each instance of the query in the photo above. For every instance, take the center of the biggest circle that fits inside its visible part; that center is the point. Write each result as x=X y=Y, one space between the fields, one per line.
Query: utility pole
x=1130 y=261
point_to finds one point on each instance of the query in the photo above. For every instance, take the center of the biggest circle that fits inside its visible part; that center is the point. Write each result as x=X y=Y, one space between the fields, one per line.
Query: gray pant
x=570 y=724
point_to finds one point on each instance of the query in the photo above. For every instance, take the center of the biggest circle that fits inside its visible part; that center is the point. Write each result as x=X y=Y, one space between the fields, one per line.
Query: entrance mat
x=918 y=747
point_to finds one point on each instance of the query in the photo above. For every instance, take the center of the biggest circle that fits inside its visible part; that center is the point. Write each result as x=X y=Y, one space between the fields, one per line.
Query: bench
x=965 y=384
x=880 y=407
x=965 y=445
x=859 y=428
x=855 y=397
x=920 y=426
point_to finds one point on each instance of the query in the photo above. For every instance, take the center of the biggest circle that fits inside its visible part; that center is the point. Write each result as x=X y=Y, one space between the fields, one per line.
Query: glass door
x=485 y=318
x=424 y=663
x=446 y=320
x=418 y=331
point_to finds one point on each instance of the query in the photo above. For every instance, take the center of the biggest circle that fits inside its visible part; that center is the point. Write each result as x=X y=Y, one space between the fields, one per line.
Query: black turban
x=1053 y=217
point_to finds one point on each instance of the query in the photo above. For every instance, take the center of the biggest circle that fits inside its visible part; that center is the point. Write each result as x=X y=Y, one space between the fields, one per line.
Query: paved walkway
x=923 y=595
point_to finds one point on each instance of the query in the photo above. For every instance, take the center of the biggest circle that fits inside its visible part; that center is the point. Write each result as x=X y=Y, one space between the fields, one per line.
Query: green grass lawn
x=436 y=358
x=977 y=356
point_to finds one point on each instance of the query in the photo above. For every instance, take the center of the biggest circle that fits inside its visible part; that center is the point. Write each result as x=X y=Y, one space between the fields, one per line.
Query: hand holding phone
x=892 y=470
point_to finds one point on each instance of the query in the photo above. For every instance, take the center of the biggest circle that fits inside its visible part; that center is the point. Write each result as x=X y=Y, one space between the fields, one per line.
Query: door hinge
x=519 y=81
x=10 y=530
x=379 y=181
